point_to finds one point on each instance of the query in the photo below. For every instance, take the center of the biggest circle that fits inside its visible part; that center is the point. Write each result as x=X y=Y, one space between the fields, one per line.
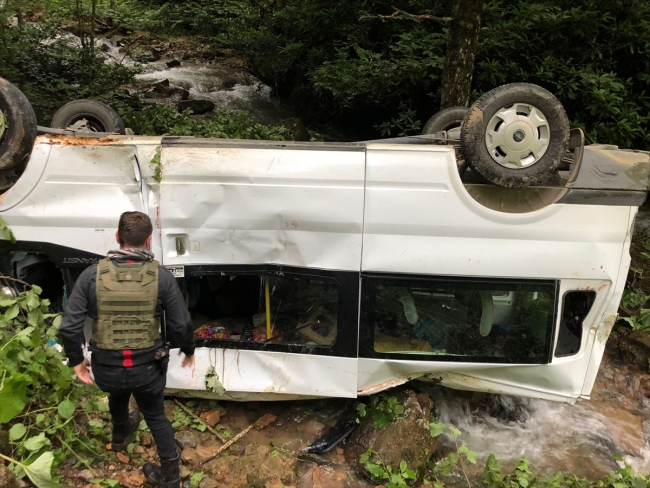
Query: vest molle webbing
x=126 y=303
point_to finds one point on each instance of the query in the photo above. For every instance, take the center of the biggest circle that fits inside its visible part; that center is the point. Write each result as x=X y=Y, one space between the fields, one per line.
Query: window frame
x=346 y=282
x=367 y=334
x=559 y=323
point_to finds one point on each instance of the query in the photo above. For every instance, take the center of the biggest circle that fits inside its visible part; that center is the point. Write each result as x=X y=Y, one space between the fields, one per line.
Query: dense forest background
x=372 y=65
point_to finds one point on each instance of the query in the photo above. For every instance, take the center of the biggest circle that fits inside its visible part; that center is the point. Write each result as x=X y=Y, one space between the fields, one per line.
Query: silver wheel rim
x=3 y=124
x=517 y=136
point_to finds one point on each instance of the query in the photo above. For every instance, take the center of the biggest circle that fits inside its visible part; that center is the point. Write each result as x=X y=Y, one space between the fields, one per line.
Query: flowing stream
x=226 y=83
x=581 y=439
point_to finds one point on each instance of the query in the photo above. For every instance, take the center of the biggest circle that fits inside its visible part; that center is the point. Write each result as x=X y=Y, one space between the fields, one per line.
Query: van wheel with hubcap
x=515 y=135
x=17 y=127
x=88 y=116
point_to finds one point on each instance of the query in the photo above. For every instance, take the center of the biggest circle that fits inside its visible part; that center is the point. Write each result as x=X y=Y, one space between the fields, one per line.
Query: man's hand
x=188 y=362
x=81 y=370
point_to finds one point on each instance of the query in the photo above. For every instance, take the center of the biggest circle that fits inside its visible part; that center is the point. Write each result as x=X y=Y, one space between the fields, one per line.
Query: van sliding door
x=242 y=217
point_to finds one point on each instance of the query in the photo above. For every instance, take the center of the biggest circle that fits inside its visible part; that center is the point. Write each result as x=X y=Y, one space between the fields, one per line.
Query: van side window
x=577 y=305
x=459 y=320
x=303 y=310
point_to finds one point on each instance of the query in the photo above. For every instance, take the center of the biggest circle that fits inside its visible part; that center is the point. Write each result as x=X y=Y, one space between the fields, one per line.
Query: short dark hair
x=134 y=229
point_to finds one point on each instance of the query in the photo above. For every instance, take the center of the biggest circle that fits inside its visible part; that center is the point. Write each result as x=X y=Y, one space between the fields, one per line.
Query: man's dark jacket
x=83 y=302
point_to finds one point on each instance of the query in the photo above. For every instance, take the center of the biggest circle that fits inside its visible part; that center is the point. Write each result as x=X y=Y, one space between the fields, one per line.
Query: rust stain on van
x=381 y=386
x=604 y=329
x=60 y=140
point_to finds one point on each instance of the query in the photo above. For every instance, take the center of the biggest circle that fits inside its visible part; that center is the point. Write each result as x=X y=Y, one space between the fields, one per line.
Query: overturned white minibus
x=343 y=269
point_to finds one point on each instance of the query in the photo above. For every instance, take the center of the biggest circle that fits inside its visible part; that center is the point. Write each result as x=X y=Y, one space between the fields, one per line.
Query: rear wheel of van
x=446 y=119
x=515 y=135
x=17 y=127
x=88 y=116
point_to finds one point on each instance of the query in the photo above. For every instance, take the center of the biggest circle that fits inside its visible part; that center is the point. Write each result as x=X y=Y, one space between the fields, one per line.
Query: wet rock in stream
x=197 y=106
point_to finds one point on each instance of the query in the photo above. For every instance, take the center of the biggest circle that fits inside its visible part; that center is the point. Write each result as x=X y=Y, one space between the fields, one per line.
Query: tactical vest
x=126 y=303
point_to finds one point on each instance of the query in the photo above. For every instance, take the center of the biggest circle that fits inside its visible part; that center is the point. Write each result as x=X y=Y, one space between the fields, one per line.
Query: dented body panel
x=335 y=214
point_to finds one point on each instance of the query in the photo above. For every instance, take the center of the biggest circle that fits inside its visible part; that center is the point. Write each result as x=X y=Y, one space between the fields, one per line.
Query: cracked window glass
x=302 y=310
x=495 y=321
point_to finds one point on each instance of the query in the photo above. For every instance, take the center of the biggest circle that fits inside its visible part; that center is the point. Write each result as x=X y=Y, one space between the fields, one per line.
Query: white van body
x=362 y=216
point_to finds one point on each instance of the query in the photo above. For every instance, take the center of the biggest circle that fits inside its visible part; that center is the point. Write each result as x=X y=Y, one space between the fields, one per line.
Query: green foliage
x=181 y=419
x=196 y=479
x=212 y=382
x=341 y=58
x=162 y=119
x=446 y=465
x=404 y=124
x=48 y=65
x=383 y=473
x=155 y=162
x=6 y=231
x=493 y=476
x=38 y=401
x=106 y=483
x=635 y=296
x=382 y=409
x=522 y=477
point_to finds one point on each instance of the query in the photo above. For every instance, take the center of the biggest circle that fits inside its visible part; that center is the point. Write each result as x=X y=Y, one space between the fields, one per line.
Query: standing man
x=125 y=295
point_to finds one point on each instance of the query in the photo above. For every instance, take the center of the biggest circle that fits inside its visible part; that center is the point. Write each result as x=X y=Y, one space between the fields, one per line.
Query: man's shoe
x=122 y=433
x=153 y=474
x=165 y=476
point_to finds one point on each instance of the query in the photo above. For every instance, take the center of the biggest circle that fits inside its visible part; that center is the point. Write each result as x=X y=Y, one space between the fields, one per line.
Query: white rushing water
x=581 y=439
x=227 y=87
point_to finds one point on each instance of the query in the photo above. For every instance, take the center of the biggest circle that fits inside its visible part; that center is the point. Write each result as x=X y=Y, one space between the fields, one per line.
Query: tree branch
x=400 y=12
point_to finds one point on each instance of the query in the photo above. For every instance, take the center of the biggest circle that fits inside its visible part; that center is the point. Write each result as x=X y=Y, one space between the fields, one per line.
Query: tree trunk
x=461 y=51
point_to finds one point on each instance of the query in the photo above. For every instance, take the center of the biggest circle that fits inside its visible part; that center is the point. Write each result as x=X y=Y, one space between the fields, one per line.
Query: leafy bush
x=159 y=119
x=381 y=472
x=38 y=399
x=382 y=409
x=522 y=477
x=51 y=67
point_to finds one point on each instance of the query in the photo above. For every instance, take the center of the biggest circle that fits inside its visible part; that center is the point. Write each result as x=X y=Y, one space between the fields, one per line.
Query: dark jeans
x=146 y=383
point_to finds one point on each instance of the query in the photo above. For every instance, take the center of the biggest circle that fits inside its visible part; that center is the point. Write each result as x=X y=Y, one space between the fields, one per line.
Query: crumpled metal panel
x=79 y=197
x=243 y=205
x=266 y=372
x=613 y=169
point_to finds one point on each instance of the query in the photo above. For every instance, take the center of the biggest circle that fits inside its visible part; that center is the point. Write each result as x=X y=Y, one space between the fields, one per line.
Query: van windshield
x=460 y=320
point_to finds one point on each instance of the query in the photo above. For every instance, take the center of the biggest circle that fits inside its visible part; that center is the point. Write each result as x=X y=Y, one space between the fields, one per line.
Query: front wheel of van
x=88 y=116
x=17 y=127
x=515 y=135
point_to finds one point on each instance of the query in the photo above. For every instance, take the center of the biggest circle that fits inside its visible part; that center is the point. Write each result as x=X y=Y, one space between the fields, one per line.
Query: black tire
x=446 y=119
x=474 y=141
x=17 y=138
x=99 y=116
